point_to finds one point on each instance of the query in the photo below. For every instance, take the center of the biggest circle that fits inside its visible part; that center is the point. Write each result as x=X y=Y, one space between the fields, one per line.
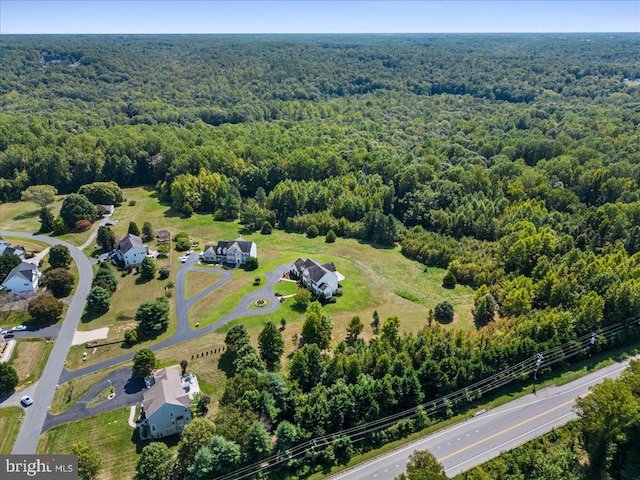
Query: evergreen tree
x=270 y=344
x=106 y=239
x=46 y=220
x=133 y=229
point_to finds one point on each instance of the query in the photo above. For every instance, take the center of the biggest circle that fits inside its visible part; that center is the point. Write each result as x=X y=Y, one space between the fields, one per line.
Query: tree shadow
x=225 y=363
x=25 y=215
x=89 y=316
x=142 y=281
x=134 y=385
x=377 y=246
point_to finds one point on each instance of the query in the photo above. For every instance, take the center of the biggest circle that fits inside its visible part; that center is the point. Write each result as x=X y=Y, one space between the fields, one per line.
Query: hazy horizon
x=23 y=17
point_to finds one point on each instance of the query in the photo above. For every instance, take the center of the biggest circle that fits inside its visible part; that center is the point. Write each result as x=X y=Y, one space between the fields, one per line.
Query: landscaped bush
x=251 y=264
x=443 y=312
x=182 y=241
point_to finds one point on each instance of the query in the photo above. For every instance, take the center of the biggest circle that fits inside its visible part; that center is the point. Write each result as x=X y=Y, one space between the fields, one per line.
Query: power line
x=519 y=371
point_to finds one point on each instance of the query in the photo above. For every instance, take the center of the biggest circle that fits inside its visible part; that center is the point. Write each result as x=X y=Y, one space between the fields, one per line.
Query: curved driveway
x=27 y=440
x=54 y=373
x=184 y=332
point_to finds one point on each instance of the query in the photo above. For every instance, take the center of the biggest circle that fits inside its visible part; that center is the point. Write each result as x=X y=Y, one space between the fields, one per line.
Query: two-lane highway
x=481 y=438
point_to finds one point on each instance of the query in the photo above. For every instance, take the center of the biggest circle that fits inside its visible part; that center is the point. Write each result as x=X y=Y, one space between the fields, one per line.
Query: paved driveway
x=129 y=391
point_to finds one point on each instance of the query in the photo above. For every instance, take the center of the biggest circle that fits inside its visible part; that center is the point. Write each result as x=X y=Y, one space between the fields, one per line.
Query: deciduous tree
x=89 y=460
x=45 y=309
x=154 y=463
x=144 y=362
x=59 y=256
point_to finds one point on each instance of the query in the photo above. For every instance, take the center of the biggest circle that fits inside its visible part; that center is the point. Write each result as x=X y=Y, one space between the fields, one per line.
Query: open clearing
x=9 y=426
x=29 y=358
x=198 y=281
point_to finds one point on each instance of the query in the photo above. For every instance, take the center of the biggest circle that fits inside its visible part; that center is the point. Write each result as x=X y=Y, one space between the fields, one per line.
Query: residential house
x=130 y=250
x=234 y=252
x=24 y=278
x=107 y=209
x=321 y=279
x=6 y=247
x=163 y=236
x=166 y=405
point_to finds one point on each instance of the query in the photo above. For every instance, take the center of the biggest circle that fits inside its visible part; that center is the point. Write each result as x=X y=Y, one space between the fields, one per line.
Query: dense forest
x=513 y=161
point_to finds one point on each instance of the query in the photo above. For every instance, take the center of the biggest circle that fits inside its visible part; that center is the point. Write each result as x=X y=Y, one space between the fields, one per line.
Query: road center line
x=491 y=437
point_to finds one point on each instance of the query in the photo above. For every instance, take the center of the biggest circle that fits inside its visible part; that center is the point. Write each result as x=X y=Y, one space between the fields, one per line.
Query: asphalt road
x=481 y=438
x=184 y=332
x=27 y=440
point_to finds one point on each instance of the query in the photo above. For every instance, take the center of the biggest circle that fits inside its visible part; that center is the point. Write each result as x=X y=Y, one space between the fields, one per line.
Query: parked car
x=18 y=328
x=9 y=335
x=26 y=400
x=2 y=332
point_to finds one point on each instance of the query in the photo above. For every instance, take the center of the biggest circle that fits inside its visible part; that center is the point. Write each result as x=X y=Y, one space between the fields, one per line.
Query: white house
x=108 y=209
x=130 y=250
x=6 y=247
x=234 y=252
x=166 y=405
x=321 y=279
x=24 y=278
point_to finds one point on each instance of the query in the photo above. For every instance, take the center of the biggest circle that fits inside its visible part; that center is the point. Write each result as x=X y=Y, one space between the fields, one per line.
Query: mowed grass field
x=109 y=433
x=198 y=281
x=29 y=358
x=9 y=426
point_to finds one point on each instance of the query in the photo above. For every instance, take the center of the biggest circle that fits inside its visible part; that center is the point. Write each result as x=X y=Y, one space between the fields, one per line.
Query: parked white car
x=18 y=328
x=26 y=400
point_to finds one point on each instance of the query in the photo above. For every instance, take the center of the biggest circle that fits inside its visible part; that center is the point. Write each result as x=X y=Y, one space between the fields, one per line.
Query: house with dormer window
x=234 y=252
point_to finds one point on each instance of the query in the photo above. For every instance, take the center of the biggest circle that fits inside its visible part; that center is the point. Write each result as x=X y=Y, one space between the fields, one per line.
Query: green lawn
x=80 y=386
x=23 y=216
x=198 y=281
x=109 y=433
x=9 y=426
x=12 y=318
x=29 y=358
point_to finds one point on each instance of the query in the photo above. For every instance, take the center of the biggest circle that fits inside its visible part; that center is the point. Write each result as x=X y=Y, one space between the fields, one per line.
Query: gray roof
x=19 y=251
x=26 y=271
x=167 y=389
x=162 y=234
x=242 y=245
x=129 y=242
x=316 y=269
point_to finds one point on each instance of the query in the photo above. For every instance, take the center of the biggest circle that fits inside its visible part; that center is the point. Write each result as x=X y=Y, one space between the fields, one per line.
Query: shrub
x=251 y=264
x=267 y=228
x=164 y=273
x=106 y=279
x=131 y=337
x=312 y=231
x=331 y=237
x=132 y=203
x=449 y=280
x=443 y=312
x=182 y=241
x=82 y=225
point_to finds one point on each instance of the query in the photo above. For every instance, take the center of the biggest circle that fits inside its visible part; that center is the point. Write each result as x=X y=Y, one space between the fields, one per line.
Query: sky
x=321 y=16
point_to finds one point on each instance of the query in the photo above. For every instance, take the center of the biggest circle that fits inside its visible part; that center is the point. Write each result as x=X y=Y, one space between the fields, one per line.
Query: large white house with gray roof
x=321 y=279
x=234 y=252
x=166 y=405
x=24 y=278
